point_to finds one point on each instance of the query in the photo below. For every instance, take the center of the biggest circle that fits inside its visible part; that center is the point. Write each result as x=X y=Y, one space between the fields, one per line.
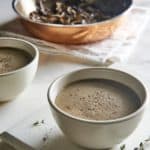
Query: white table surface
x=18 y=116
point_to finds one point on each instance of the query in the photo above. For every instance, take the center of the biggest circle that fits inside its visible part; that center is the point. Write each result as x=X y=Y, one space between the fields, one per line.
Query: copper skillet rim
x=70 y=26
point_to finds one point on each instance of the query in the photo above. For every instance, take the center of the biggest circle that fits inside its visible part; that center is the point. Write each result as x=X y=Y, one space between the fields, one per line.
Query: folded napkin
x=116 y=48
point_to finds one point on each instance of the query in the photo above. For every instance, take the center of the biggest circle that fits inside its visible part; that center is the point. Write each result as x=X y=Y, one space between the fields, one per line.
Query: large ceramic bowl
x=97 y=134
x=13 y=83
x=74 y=34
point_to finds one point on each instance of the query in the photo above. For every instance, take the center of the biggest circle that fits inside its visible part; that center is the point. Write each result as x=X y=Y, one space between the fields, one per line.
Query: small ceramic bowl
x=97 y=134
x=14 y=82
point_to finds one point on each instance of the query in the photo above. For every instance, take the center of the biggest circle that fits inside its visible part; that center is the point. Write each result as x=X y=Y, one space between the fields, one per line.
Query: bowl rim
x=127 y=9
x=121 y=119
x=36 y=55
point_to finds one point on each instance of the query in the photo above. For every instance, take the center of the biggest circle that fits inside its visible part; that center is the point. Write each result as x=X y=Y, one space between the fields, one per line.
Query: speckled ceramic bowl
x=97 y=134
x=14 y=82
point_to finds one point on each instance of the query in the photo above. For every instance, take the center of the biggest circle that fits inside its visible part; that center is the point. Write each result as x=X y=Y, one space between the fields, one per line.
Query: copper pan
x=74 y=34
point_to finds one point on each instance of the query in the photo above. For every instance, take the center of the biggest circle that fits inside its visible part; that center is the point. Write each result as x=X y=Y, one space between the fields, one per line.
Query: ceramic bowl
x=13 y=83
x=97 y=134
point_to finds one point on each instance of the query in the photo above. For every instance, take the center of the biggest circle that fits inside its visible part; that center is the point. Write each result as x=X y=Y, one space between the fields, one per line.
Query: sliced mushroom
x=67 y=12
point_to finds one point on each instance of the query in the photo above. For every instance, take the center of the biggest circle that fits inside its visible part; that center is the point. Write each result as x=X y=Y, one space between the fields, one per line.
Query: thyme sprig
x=37 y=123
x=139 y=147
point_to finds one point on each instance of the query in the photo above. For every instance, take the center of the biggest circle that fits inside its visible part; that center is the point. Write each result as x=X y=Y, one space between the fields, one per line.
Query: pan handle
x=13 y=5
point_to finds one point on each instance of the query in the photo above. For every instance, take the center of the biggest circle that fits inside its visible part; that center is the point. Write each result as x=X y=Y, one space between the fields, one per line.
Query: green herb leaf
x=36 y=123
x=123 y=147
x=141 y=146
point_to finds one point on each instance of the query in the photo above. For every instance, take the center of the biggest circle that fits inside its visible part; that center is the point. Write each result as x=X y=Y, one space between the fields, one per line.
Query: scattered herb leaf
x=123 y=147
x=36 y=123
x=42 y=121
x=44 y=139
x=141 y=146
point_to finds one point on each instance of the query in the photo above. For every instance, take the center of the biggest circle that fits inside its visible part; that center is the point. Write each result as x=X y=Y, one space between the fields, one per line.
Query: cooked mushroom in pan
x=67 y=12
